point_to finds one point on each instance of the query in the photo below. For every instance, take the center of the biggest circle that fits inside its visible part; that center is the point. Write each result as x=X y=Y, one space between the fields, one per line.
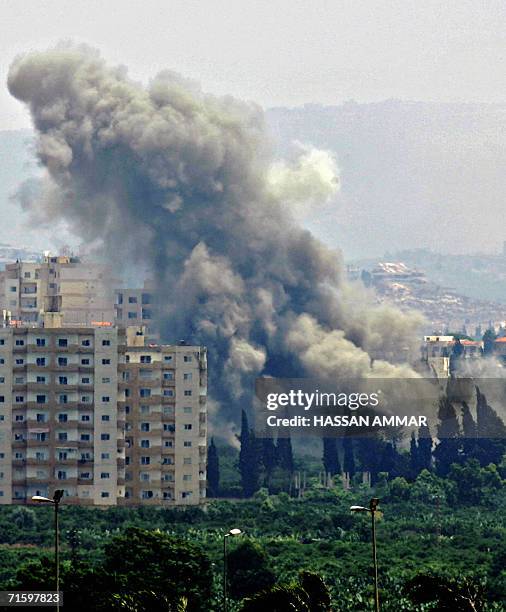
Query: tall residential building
x=79 y=405
x=138 y=307
x=82 y=291
x=165 y=390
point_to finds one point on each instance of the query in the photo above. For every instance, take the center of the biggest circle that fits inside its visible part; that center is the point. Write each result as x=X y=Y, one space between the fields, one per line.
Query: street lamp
x=373 y=507
x=58 y=494
x=232 y=532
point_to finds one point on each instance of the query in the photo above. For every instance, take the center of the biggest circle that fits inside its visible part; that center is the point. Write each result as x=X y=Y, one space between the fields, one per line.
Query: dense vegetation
x=441 y=532
x=432 y=542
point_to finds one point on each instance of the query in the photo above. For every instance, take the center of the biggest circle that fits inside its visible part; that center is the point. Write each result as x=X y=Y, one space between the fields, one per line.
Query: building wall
x=82 y=291
x=165 y=391
x=108 y=423
x=136 y=307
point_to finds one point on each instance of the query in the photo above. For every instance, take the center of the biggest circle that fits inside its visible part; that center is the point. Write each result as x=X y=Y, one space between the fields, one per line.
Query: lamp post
x=232 y=532
x=373 y=507
x=58 y=494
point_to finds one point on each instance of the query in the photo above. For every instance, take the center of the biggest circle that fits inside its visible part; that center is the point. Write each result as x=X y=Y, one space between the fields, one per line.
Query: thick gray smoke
x=186 y=181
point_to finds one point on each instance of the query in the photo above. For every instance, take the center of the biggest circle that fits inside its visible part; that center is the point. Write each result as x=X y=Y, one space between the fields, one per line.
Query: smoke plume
x=187 y=182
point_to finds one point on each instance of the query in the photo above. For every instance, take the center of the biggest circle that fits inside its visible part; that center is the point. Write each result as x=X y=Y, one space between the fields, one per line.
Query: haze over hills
x=414 y=174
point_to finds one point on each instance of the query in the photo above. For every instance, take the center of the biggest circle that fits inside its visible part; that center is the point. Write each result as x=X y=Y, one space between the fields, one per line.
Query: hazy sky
x=279 y=52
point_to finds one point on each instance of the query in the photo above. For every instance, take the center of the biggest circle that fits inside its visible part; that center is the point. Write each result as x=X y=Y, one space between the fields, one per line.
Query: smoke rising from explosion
x=186 y=182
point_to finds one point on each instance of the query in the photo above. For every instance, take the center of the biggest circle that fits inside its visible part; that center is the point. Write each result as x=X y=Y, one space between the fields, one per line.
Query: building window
x=132 y=299
x=187 y=409
x=104 y=475
x=41 y=342
x=132 y=315
x=187 y=376
x=19 y=399
x=41 y=379
x=105 y=417
x=85 y=381
x=187 y=359
x=144 y=443
x=40 y=361
x=144 y=426
x=85 y=437
x=145 y=460
x=168 y=376
x=167 y=358
x=20 y=342
x=86 y=342
x=187 y=392
x=63 y=380
x=168 y=392
x=62 y=361
x=187 y=461
x=20 y=361
x=63 y=399
x=61 y=475
x=187 y=477
x=187 y=443
x=145 y=358
x=145 y=392
x=104 y=494
x=62 y=417
x=106 y=380
x=188 y=426
x=105 y=436
x=106 y=343
x=106 y=399
x=105 y=456
x=85 y=418
x=106 y=362
x=41 y=399
x=41 y=417
x=62 y=436
x=63 y=342
x=85 y=362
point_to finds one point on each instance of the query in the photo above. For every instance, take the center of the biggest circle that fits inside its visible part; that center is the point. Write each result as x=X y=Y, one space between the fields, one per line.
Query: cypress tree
x=331 y=457
x=268 y=458
x=447 y=451
x=424 y=450
x=285 y=454
x=349 y=456
x=490 y=432
x=213 y=470
x=414 y=459
x=248 y=458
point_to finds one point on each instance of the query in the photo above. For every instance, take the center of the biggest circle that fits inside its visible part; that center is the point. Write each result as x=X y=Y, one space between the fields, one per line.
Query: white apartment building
x=82 y=291
x=94 y=412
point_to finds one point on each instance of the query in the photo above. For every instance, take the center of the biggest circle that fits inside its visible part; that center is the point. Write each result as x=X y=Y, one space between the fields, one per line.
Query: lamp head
x=42 y=500
x=234 y=532
x=58 y=494
x=373 y=504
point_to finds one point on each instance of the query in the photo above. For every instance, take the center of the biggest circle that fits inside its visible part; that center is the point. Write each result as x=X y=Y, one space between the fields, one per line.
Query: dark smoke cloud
x=186 y=182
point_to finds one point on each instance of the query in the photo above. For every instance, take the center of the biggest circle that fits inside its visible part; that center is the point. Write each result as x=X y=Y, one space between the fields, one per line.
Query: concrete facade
x=93 y=411
x=82 y=291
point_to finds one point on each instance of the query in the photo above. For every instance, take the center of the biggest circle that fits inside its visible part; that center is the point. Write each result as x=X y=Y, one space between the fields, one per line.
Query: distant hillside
x=413 y=174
